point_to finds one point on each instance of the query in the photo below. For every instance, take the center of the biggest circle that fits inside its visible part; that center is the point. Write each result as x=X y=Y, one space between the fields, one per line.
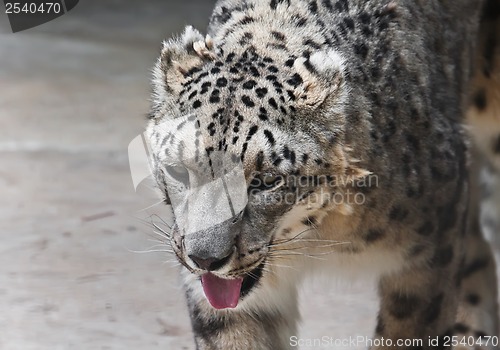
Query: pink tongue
x=221 y=293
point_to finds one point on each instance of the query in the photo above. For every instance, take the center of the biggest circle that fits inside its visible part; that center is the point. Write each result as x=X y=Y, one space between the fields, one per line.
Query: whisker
x=151 y=251
x=161 y=245
x=251 y=274
x=156 y=241
x=283 y=266
x=265 y=269
x=160 y=229
x=162 y=234
x=272 y=259
x=291 y=253
x=161 y=219
x=154 y=220
x=162 y=238
x=151 y=206
x=309 y=247
x=172 y=263
x=293 y=238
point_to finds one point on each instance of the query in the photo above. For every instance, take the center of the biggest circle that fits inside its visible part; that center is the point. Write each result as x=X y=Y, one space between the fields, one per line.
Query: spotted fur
x=359 y=98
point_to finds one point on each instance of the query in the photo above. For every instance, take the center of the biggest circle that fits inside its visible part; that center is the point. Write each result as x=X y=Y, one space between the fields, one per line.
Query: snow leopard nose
x=210 y=264
x=210 y=249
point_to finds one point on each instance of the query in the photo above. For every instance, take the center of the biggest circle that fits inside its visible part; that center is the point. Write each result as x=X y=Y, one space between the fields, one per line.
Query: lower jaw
x=251 y=280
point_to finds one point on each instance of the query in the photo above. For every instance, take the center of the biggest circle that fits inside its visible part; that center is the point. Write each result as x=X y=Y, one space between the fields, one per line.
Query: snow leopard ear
x=321 y=76
x=178 y=59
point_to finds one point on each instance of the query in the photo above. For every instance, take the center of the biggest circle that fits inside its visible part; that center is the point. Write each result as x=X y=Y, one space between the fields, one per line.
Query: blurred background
x=73 y=94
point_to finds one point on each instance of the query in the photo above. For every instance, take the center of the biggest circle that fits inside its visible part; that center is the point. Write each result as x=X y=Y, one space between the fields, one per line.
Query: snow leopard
x=334 y=135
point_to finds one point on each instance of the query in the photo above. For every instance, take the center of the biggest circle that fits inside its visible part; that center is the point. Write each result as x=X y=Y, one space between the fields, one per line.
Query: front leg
x=419 y=304
x=264 y=320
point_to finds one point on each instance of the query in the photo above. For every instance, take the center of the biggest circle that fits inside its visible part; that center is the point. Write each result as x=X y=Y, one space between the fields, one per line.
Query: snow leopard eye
x=265 y=182
x=178 y=173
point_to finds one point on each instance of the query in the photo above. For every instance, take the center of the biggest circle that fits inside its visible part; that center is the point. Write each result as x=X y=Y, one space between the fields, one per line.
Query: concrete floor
x=74 y=93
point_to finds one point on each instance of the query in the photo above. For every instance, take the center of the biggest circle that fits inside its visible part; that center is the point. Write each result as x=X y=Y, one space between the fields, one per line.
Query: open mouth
x=226 y=293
